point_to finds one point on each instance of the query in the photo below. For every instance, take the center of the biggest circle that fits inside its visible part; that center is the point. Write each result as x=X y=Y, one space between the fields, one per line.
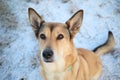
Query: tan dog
x=59 y=59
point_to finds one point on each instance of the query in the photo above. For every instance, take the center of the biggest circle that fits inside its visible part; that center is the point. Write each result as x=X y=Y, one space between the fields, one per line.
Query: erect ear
x=35 y=20
x=75 y=22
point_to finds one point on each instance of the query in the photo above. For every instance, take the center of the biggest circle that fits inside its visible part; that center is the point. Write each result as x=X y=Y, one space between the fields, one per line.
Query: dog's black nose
x=47 y=53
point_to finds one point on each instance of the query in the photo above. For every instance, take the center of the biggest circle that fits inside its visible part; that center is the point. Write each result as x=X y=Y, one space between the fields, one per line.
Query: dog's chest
x=55 y=76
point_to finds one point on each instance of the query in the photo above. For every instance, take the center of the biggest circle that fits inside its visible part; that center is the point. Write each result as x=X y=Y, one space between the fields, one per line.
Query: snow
x=19 y=47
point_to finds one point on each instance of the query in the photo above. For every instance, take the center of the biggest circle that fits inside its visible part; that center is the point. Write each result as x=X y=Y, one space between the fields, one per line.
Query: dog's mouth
x=48 y=60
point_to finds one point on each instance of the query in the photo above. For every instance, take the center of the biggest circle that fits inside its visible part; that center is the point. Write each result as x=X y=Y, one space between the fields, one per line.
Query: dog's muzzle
x=48 y=55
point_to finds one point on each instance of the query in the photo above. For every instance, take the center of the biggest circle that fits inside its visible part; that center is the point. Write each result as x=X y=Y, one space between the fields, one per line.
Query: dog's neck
x=62 y=75
x=58 y=75
x=69 y=68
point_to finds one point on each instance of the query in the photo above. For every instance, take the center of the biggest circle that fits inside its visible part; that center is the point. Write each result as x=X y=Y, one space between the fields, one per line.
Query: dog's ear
x=35 y=20
x=75 y=22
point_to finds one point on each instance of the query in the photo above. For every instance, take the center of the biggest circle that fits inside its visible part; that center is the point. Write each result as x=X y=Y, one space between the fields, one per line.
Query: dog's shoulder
x=88 y=55
x=91 y=58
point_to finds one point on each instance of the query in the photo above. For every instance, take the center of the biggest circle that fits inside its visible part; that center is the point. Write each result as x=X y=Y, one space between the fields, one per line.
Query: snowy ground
x=18 y=45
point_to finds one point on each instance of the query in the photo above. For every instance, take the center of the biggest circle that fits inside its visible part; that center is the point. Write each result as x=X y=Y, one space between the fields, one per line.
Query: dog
x=58 y=57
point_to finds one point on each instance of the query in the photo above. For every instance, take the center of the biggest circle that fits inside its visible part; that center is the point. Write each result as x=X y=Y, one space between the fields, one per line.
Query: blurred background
x=19 y=47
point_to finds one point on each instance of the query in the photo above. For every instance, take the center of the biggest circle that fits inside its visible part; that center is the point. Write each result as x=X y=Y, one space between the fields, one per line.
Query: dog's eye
x=42 y=36
x=60 y=36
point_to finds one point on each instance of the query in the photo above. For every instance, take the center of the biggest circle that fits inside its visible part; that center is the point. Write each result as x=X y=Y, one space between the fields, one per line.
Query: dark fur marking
x=110 y=33
x=100 y=46
x=52 y=27
x=69 y=30
x=38 y=29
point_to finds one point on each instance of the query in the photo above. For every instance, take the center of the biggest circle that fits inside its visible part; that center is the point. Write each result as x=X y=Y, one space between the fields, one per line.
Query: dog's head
x=56 y=39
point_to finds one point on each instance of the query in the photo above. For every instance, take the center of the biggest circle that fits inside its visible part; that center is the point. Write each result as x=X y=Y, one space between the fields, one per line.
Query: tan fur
x=108 y=46
x=68 y=62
